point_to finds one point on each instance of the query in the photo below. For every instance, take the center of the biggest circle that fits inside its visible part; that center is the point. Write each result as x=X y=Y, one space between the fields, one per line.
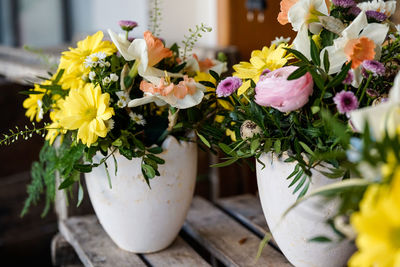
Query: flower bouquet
x=123 y=113
x=289 y=109
x=370 y=206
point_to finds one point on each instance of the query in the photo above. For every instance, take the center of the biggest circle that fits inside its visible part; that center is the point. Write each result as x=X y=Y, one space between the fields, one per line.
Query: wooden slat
x=227 y=239
x=62 y=253
x=247 y=209
x=178 y=254
x=93 y=245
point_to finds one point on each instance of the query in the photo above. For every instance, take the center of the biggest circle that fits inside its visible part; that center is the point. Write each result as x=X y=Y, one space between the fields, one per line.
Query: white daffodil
x=382 y=117
x=304 y=16
x=146 y=52
x=359 y=41
x=185 y=94
x=388 y=7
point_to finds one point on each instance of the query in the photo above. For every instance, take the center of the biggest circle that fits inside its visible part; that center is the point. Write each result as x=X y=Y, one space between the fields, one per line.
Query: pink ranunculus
x=274 y=90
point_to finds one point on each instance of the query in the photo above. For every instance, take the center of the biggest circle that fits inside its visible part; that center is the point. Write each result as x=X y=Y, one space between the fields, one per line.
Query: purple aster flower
x=344 y=3
x=349 y=78
x=263 y=73
x=127 y=25
x=378 y=16
x=345 y=101
x=372 y=67
x=372 y=93
x=227 y=86
x=354 y=10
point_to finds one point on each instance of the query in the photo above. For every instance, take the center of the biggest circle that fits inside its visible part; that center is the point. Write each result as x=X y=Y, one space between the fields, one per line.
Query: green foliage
x=191 y=39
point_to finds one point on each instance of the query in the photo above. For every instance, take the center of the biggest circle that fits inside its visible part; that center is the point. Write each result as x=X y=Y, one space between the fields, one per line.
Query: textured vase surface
x=138 y=218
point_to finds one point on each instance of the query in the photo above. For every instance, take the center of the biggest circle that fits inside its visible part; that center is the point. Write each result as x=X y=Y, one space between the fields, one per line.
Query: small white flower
x=137 y=118
x=92 y=75
x=120 y=104
x=40 y=109
x=123 y=98
x=280 y=40
x=94 y=59
x=108 y=64
x=106 y=80
x=109 y=124
x=114 y=77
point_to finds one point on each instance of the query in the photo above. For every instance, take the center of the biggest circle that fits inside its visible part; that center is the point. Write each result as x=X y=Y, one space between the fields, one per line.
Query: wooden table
x=227 y=233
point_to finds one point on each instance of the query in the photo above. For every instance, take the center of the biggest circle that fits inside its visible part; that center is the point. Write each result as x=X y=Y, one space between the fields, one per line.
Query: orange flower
x=155 y=49
x=285 y=6
x=160 y=89
x=358 y=50
x=205 y=64
x=183 y=88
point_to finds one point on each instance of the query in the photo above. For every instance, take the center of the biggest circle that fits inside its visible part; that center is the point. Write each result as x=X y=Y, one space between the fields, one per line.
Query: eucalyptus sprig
x=192 y=38
x=25 y=134
x=155 y=18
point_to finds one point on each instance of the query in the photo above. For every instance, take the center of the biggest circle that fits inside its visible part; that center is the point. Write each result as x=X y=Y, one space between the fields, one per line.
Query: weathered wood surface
x=246 y=209
x=227 y=239
x=93 y=245
x=179 y=254
x=62 y=253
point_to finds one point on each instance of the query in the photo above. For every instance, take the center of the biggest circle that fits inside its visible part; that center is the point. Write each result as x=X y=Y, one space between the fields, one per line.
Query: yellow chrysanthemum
x=206 y=77
x=231 y=134
x=86 y=109
x=72 y=61
x=55 y=128
x=271 y=58
x=378 y=226
x=33 y=104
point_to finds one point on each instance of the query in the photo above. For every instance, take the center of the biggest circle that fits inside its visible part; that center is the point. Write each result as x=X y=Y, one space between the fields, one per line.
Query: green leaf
x=156 y=159
x=207 y=83
x=115 y=164
x=31 y=92
x=304 y=191
x=315 y=109
x=340 y=77
x=225 y=163
x=203 y=139
x=149 y=171
x=214 y=75
x=277 y=146
x=263 y=243
x=138 y=143
x=254 y=145
x=301 y=183
x=301 y=71
x=155 y=150
x=306 y=148
x=320 y=239
x=226 y=149
x=327 y=63
x=126 y=152
x=296 y=178
x=267 y=145
x=58 y=77
x=85 y=168
x=314 y=53
x=117 y=142
x=317 y=79
x=67 y=183
x=298 y=55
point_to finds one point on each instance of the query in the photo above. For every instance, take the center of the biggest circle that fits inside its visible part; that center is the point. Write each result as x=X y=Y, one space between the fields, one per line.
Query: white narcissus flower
x=382 y=117
x=304 y=16
x=139 y=50
x=359 y=41
x=280 y=40
x=388 y=7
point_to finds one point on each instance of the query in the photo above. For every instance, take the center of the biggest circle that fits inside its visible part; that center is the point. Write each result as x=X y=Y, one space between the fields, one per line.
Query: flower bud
x=249 y=129
x=127 y=25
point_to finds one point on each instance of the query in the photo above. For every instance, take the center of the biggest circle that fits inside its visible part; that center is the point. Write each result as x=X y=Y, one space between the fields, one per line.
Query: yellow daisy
x=271 y=58
x=73 y=60
x=55 y=128
x=86 y=109
x=378 y=226
x=33 y=104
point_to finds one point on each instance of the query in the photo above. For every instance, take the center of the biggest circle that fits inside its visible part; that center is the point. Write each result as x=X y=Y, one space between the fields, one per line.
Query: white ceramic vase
x=139 y=219
x=306 y=221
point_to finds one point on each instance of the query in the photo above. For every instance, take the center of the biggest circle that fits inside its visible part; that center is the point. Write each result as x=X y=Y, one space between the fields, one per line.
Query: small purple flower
x=263 y=73
x=345 y=101
x=349 y=78
x=378 y=16
x=372 y=93
x=344 y=3
x=127 y=25
x=227 y=86
x=355 y=11
x=372 y=67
